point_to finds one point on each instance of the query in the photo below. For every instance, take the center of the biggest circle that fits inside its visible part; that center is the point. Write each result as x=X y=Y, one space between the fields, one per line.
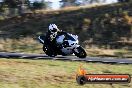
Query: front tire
x=80 y=52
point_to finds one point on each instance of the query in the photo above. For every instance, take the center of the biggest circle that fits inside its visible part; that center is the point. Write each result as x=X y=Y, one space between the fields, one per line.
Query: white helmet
x=53 y=28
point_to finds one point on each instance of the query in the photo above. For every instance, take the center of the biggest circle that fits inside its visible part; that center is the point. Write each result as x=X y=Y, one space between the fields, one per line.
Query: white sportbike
x=66 y=45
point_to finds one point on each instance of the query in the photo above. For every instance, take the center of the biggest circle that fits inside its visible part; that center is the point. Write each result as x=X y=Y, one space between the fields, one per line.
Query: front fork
x=75 y=48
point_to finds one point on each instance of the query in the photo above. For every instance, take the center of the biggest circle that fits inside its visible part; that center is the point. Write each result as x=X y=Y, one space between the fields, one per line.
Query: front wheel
x=80 y=52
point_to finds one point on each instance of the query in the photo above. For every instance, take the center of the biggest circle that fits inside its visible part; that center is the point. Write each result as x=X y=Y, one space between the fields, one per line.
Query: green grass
x=30 y=45
x=22 y=73
x=27 y=45
x=118 y=53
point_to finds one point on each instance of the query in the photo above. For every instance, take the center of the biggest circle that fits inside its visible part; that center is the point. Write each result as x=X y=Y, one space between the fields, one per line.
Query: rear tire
x=81 y=52
x=48 y=51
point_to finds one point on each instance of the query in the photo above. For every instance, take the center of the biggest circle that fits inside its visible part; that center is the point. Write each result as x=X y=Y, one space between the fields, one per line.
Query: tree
x=39 y=5
x=1 y=6
x=16 y=3
x=20 y=5
x=123 y=0
x=11 y=3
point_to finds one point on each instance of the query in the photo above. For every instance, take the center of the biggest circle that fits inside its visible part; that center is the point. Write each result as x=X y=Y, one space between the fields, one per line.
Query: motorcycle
x=68 y=45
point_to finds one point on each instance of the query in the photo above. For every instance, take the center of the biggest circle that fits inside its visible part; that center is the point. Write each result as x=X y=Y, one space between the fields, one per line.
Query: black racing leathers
x=51 y=42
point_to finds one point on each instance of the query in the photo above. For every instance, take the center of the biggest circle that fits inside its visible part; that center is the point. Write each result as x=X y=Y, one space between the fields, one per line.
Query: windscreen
x=69 y=37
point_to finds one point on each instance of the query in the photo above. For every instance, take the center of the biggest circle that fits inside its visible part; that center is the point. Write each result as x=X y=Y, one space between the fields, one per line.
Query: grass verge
x=30 y=45
x=118 y=53
x=23 y=73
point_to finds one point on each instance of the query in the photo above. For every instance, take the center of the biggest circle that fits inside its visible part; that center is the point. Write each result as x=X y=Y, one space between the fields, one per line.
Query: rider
x=52 y=34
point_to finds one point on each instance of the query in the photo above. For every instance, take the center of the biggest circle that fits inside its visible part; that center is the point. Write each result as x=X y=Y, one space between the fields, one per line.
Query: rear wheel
x=48 y=51
x=80 y=52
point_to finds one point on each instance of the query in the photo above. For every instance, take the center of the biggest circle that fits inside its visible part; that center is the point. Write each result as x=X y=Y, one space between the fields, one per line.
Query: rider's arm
x=62 y=33
x=60 y=39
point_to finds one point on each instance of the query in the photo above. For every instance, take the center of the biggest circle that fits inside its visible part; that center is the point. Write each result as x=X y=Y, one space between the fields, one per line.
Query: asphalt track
x=71 y=58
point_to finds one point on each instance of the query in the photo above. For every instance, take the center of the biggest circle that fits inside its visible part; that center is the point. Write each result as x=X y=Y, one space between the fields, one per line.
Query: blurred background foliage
x=102 y=25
